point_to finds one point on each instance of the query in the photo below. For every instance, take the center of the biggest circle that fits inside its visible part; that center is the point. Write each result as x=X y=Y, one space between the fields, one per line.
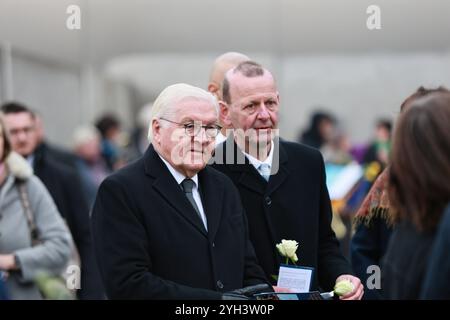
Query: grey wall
x=358 y=89
x=65 y=95
x=51 y=89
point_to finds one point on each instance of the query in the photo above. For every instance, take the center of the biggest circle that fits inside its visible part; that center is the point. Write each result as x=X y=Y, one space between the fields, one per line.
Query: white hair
x=84 y=134
x=170 y=96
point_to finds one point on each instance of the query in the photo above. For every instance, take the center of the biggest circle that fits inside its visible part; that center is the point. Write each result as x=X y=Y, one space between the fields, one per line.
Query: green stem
x=287 y=260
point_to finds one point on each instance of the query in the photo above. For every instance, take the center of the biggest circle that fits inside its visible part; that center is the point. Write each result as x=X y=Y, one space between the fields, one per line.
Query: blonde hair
x=171 y=95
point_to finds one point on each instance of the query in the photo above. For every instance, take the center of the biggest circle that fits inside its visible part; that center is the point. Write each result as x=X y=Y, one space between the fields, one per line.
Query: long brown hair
x=420 y=170
x=6 y=142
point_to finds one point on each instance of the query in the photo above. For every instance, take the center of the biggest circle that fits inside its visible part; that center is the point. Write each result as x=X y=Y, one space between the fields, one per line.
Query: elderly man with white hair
x=167 y=226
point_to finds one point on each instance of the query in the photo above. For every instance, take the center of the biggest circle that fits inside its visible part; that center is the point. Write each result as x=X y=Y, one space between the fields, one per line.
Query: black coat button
x=219 y=284
x=268 y=201
x=213 y=245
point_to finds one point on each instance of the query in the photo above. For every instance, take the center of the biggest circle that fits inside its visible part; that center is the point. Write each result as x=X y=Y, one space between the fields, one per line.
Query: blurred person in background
x=373 y=222
x=139 y=140
x=418 y=191
x=3 y=291
x=221 y=65
x=380 y=148
x=320 y=130
x=45 y=148
x=337 y=149
x=21 y=259
x=90 y=164
x=111 y=145
x=63 y=184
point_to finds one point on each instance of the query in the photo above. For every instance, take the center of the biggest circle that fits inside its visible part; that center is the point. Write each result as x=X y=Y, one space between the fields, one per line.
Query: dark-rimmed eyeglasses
x=193 y=128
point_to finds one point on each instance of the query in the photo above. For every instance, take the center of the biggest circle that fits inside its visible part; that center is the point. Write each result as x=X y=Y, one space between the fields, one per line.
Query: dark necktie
x=187 y=185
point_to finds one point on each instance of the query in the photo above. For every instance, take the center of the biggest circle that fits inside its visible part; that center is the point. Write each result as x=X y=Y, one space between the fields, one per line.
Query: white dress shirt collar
x=179 y=177
x=257 y=163
x=220 y=138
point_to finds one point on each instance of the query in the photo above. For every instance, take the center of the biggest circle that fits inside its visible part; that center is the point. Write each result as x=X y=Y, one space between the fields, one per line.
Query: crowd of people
x=193 y=206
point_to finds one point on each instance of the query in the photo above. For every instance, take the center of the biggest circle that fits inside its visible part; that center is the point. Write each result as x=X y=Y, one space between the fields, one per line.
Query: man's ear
x=213 y=88
x=156 y=131
x=224 y=114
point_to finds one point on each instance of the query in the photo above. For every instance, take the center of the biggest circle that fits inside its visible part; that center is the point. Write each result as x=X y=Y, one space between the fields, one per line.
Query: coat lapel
x=250 y=177
x=280 y=172
x=212 y=200
x=167 y=187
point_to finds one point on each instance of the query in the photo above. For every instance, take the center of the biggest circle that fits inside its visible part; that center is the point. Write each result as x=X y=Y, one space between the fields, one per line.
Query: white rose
x=343 y=287
x=287 y=248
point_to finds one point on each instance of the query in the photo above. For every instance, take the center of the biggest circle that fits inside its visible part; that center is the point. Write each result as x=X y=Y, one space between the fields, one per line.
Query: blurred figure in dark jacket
x=320 y=130
x=3 y=292
x=90 y=164
x=54 y=152
x=109 y=127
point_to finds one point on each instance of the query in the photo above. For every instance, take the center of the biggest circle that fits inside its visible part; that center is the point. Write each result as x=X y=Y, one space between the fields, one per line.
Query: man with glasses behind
x=166 y=226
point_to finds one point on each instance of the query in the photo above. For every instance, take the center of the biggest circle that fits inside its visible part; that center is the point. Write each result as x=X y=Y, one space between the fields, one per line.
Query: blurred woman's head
x=420 y=168
x=419 y=93
x=5 y=145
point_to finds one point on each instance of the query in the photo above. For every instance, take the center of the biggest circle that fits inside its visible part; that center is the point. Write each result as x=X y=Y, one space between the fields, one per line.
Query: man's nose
x=263 y=113
x=22 y=136
x=201 y=136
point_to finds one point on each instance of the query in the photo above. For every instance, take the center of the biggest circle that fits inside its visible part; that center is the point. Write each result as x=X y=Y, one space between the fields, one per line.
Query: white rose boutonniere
x=288 y=248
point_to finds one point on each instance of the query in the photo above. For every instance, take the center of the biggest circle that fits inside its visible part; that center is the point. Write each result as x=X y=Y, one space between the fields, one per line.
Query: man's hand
x=281 y=290
x=358 y=288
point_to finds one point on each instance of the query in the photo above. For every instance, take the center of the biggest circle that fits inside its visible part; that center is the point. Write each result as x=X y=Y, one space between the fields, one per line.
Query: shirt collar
x=257 y=163
x=30 y=159
x=179 y=177
x=220 y=138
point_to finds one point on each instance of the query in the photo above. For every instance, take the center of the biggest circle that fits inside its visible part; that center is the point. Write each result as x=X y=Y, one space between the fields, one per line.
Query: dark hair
x=249 y=69
x=420 y=167
x=385 y=123
x=106 y=123
x=6 y=142
x=16 y=107
x=312 y=136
